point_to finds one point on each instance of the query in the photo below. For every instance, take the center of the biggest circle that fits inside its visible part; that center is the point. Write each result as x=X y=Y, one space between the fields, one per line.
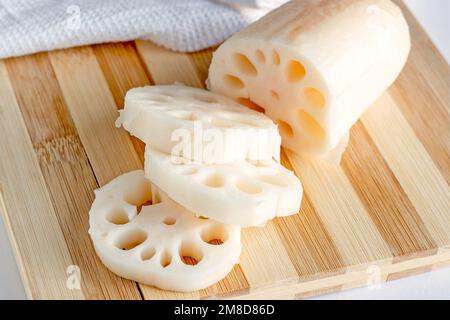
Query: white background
x=434 y=15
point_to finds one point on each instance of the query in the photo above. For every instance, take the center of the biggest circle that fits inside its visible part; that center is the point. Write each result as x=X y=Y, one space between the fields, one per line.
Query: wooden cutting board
x=383 y=214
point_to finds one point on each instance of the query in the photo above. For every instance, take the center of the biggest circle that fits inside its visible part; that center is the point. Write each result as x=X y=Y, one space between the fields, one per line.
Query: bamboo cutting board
x=383 y=214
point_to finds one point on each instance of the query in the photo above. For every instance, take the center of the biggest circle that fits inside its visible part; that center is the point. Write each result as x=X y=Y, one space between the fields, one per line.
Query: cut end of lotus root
x=314 y=67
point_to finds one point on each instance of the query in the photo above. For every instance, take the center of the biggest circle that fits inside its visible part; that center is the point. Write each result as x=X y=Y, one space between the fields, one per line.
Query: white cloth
x=261 y=4
x=28 y=26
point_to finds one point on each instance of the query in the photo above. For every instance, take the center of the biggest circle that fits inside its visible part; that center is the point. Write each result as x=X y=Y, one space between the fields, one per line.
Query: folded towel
x=28 y=26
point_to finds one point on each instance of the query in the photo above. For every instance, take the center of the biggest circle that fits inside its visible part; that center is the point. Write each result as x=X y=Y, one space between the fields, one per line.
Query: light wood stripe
x=415 y=170
x=258 y=269
x=43 y=256
x=308 y=244
x=341 y=211
x=264 y=259
x=66 y=170
x=387 y=204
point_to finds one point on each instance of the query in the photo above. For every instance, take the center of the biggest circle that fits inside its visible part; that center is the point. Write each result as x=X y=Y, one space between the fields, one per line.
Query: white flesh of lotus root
x=164 y=245
x=216 y=128
x=241 y=193
x=314 y=66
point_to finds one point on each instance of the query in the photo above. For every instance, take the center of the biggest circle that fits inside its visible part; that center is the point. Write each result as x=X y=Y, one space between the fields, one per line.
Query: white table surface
x=434 y=15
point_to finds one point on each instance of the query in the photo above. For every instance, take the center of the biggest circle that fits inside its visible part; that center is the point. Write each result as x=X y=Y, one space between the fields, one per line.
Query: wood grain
x=309 y=245
x=425 y=82
x=412 y=165
x=395 y=217
x=43 y=257
x=168 y=67
x=66 y=170
x=94 y=112
x=386 y=208
x=123 y=70
x=341 y=211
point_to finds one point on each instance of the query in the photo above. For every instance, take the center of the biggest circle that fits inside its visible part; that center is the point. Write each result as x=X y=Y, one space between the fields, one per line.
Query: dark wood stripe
x=202 y=60
x=167 y=67
x=65 y=168
x=123 y=71
x=310 y=247
x=386 y=202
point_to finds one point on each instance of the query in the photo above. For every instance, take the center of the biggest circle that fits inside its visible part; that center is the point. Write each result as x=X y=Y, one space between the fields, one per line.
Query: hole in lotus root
x=234 y=82
x=260 y=57
x=130 y=239
x=276 y=57
x=250 y=104
x=244 y=65
x=310 y=125
x=214 y=181
x=295 y=71
x=285 y=128
x=314 y=97
x=248 y=186
x=166 y=259
x=147 y=253
x=215 y=235
x=145 y=204
x=117 y=216
x=190 y=253
x=169 y=221
x=139 y=194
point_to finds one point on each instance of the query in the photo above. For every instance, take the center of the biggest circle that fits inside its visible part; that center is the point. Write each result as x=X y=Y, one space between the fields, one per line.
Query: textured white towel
x=28 y=26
